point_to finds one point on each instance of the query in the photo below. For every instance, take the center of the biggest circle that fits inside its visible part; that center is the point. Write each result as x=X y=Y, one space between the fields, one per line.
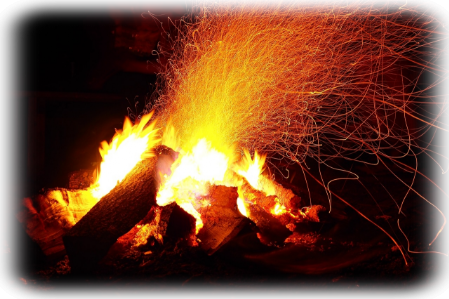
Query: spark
x=323 y=82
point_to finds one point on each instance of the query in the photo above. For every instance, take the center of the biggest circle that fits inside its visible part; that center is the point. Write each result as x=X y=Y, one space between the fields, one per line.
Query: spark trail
x=322 y=82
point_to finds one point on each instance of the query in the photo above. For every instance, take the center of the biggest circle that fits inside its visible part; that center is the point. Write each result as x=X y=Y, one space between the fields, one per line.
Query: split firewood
x=273 y=230
x=221 y=218
x=146 y=232
x=48 y=216
x=276 y=225
x=278 y=195
x=117 y=212
x=141 y=236
x=161 y=224
x=286 y=196
x=170 y=222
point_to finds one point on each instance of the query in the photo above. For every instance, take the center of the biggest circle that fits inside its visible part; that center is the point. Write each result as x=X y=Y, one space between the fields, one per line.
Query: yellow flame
x=241 y=207
x=128 y=147
x=278 y=209
x=191 y=175
x=251 y=169
x=195 y=170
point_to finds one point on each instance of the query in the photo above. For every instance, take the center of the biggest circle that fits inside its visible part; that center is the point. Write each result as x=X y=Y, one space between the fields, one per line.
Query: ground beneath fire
x=350 y=259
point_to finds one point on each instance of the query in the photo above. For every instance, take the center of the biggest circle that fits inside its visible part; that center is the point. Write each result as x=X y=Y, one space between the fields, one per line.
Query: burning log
x=221 y=218
x=53 y=213
x=276 y=216
x=161 y=224
x=286 y=196
x=271 y=230
x=116 y=213
x=168 y=222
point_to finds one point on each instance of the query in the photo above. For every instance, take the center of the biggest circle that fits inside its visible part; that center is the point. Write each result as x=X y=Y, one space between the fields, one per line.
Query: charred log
x=170 y=222
x=179 y=225
x=271 y=230
x=264 y=214
x=116 y=213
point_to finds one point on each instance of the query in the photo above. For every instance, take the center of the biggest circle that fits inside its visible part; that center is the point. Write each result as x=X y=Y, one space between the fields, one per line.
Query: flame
x=128 y=147
x=251 y=169
x=197 y=169
x=241 y=206
x=300 y=82
x=191 y=175
x=278 y=208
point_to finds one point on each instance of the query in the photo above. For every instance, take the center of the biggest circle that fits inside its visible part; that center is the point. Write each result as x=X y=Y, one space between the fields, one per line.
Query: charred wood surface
x=178 y=224
x=116 y=213
x=161 y=225
x=272 y=230
x=82 y=178
x=169 y=222
x=289 y=199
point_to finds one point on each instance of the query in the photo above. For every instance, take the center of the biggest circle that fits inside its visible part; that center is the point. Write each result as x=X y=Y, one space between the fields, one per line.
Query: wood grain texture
x=222 y=220
x=116 y=213
x=49 y=215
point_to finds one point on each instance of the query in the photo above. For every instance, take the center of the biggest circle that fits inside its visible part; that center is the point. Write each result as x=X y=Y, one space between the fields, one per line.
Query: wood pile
x=51 y=214
x=71 y=221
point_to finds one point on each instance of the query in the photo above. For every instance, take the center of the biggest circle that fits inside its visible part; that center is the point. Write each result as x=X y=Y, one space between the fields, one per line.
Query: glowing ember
x=278 y=209
x=128 y=147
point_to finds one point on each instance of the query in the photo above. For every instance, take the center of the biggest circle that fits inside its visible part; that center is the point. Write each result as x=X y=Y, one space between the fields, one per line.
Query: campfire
x=247 y=95
x=141 y=179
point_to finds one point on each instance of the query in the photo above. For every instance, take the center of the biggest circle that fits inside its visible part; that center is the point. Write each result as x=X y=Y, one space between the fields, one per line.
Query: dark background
x=78 y=75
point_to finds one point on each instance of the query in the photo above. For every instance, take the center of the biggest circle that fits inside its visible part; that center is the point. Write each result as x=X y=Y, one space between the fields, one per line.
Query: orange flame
x=128 y=147
x=196 y=169
x=251 y=169
x=190 y=177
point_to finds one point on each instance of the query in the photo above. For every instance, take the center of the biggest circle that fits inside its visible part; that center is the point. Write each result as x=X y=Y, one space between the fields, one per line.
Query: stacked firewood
x=72 y=222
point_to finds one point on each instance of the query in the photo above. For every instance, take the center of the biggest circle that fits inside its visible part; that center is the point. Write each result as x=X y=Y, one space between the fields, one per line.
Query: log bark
x=116 y=213
x=49 y=215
